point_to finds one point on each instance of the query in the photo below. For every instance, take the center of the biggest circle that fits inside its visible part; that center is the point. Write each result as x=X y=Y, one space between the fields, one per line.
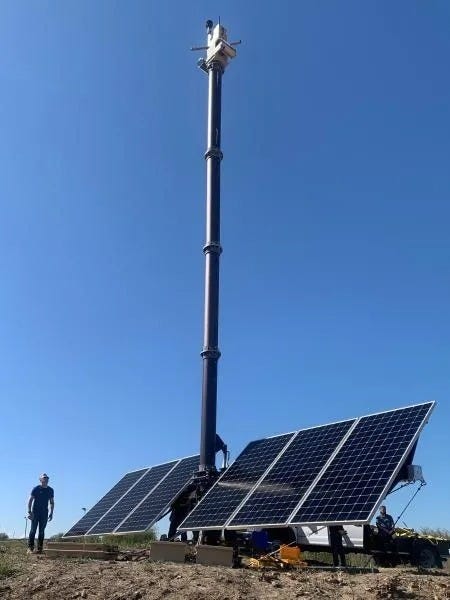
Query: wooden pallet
x=80 y=550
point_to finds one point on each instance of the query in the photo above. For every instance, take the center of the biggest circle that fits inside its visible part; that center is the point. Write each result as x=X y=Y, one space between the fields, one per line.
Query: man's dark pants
x=337 y=548
x=39 y=519
x=338 y=553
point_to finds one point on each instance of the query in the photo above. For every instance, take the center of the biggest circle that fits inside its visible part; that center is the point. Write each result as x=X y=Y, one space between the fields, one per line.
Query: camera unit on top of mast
x=218 y=50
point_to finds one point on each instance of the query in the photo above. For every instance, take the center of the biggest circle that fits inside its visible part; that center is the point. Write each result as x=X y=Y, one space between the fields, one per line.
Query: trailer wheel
x=426 y=556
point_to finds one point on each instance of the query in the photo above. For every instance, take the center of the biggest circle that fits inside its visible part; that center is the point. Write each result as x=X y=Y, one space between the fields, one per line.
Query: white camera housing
x=218 y=47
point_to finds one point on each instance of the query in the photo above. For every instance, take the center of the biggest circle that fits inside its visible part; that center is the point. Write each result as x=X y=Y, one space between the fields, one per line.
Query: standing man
x=337 y=548
x=41 y=496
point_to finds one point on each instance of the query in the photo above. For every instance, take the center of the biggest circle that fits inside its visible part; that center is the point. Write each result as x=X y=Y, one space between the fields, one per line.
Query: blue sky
x=335 y=275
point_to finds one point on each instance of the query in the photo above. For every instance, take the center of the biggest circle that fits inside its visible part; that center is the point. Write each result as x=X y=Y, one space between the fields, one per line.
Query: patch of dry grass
x=11 y=553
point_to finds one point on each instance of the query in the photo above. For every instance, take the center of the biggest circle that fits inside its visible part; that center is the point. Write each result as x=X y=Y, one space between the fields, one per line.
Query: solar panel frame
x=144 y=471
x=389 y=482
x=165 y=508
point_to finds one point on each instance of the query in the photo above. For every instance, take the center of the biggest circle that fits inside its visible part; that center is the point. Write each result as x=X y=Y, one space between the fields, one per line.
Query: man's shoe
x=30 y=551
x=39 y=551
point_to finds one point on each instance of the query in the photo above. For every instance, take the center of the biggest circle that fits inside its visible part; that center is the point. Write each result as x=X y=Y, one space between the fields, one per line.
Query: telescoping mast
x=218 y=54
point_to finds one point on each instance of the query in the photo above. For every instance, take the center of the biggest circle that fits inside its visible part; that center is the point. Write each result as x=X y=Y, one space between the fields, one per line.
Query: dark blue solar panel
x=360 y=474
x=228 y=492
x=117 y=514
x=282 y=488
x=157 y=504
x=97 y=511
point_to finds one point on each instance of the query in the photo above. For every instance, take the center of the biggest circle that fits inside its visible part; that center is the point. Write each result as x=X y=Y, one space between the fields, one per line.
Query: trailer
x=407 y=546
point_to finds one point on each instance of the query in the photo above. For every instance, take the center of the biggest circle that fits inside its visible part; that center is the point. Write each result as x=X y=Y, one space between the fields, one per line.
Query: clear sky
x=335 y=277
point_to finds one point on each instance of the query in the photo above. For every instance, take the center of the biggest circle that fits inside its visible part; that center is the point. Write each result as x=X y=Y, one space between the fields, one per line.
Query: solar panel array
x=336 y=473
x=138 y=500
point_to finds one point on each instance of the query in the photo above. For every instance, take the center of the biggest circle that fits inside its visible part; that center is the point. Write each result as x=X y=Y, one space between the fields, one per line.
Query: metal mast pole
x=212 y=251
x=219 y=51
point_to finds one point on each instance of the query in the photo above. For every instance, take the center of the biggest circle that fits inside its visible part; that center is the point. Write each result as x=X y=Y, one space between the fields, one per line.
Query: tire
x=426 y=556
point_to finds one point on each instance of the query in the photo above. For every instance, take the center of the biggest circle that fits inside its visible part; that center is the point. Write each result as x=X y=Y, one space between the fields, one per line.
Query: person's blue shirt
x=385 y=524
x=42 y=496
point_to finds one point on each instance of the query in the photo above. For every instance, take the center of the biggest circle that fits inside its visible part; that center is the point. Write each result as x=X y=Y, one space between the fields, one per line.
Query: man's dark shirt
x=385 y=524
x=336 y=532
x=41 y=496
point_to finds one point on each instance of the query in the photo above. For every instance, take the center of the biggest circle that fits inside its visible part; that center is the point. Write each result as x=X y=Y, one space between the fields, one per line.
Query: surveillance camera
x=228 y=50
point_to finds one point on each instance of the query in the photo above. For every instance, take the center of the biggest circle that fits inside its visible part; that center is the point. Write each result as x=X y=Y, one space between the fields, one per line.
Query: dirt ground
x=39 y=578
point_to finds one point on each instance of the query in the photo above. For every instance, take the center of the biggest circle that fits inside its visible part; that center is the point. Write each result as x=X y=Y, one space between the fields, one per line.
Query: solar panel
x=361 y=473
x=157 y=504
x=108 y=500
x=139 y=499
x=230 y=490
x=335 y=473
x=141 y=490
x=277 y=495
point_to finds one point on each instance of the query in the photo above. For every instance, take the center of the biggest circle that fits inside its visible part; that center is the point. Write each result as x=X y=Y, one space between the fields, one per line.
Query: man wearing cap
x=41 y=496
